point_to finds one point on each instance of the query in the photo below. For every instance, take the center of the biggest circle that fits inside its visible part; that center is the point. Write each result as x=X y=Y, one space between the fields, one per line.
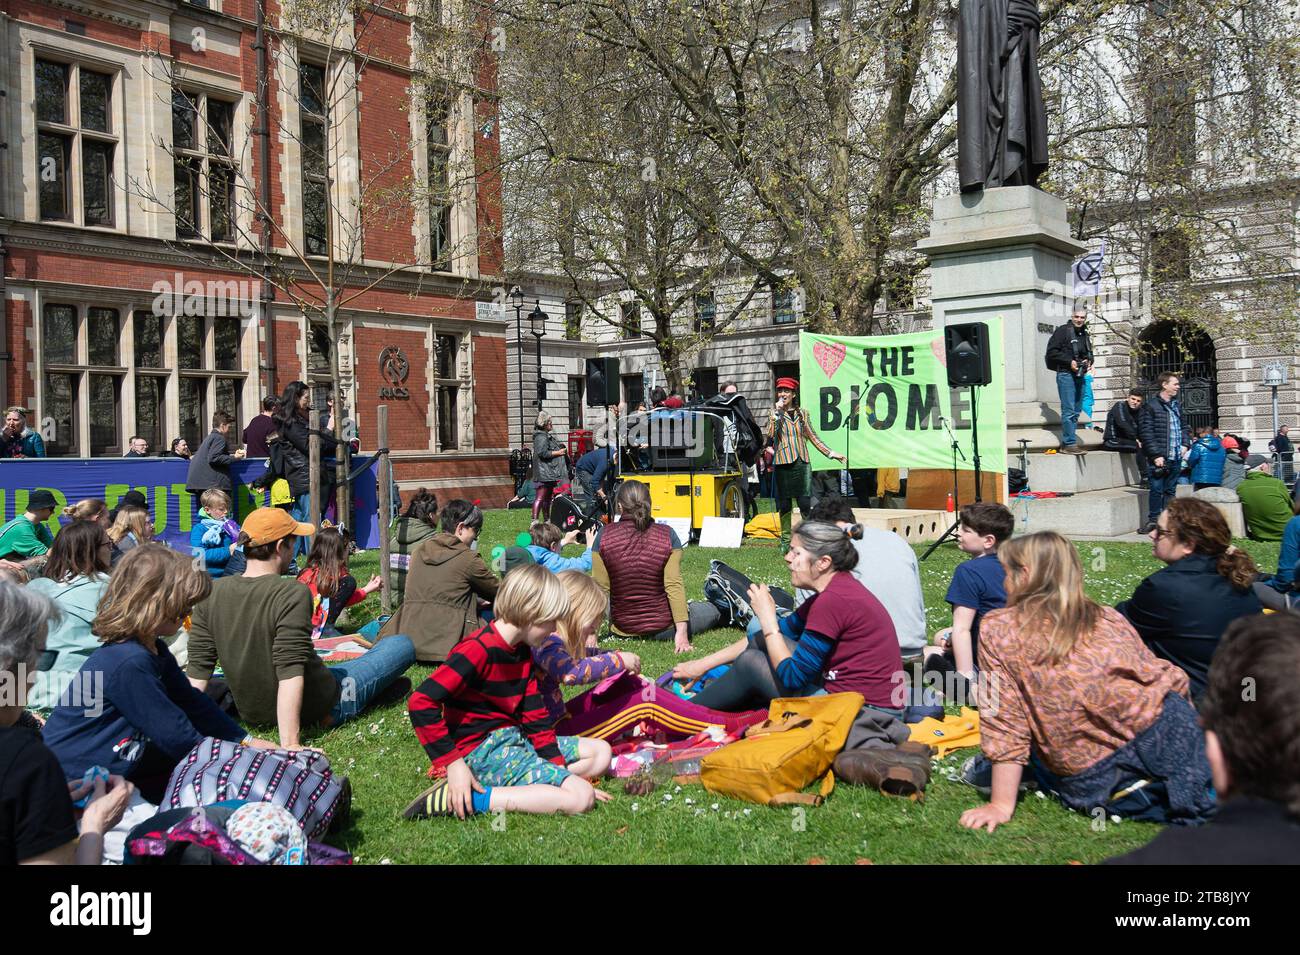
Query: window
x=1171 y=133
x=437 y=112
x=783 y=369
x=577 y=391
x=573 y=321
x=706 y=313
x=630 y=317
x=75 y=144
x=1171 y=256
x=706 y=383
x=633 y=391
x=314 y=138
x=209 y=375
x=82 y=365
x=447 y=390
x=202 y=134
x=783 y=312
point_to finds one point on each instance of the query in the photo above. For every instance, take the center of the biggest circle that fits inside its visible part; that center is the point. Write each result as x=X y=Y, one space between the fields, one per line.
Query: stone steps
x=1114 y=512
x=1076 y=473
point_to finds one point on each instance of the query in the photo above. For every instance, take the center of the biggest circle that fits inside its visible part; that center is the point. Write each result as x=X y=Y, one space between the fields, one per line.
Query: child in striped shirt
x=482 y=720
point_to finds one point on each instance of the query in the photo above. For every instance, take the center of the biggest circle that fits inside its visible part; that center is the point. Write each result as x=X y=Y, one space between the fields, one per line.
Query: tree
x=308 y=105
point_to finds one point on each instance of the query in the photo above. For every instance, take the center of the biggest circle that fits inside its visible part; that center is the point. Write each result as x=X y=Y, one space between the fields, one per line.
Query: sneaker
x=432 y=802
x=1147 y=528
x=1073 y=449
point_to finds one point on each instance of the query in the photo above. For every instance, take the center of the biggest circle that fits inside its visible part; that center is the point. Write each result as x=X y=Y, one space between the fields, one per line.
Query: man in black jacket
x=1249 y=744
x=1122 y=429
x=1162 y=433
x=1069 y=354
x=210 y=465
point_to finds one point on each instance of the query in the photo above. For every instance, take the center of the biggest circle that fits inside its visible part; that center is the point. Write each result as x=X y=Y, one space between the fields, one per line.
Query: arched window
x=1188 y=351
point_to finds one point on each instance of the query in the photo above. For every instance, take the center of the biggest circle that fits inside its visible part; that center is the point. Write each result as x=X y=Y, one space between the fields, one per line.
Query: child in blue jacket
x=1206 y=459
x=215 y=535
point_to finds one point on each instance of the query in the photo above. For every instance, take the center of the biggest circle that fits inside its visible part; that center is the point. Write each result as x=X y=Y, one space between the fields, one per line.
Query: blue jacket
x=1289 y=558
x=555 y=563
x=596 y=463
x=124 y=699
x=210 y=539
x=27 y=445
x=1206 y=460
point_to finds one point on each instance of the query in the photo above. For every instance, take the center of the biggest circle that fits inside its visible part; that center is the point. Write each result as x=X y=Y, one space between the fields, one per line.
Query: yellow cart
x=695 y=496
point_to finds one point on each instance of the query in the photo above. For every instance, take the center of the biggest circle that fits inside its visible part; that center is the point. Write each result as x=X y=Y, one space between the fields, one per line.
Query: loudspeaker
x=967 y=348
x=602 y=382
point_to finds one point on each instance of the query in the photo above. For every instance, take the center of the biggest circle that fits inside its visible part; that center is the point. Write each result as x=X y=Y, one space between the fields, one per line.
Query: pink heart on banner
x=829 y=355
x=936 y=346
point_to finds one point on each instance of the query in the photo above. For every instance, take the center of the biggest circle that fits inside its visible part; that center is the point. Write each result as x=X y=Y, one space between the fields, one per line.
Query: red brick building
x=132 y=183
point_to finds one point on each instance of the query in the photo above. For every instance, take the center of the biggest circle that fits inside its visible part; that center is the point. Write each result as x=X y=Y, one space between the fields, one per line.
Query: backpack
x=789 y=751
x=300 y=781
x=728 y=590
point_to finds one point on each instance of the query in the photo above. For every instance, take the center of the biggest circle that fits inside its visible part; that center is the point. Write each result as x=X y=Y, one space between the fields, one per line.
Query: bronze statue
x=1001 y=121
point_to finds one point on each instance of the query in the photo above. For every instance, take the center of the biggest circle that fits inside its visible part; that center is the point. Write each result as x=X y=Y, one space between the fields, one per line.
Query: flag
x=1087 y=273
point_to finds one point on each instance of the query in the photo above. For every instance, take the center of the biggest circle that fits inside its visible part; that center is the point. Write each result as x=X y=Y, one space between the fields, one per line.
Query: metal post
x=519 y=353
x=385 y=510
x=539 y=370
x=313 y=466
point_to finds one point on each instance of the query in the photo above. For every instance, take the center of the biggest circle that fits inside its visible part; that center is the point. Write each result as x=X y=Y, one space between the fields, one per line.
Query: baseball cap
x=1229 y=442
x=1255 y=460
x=269 y=524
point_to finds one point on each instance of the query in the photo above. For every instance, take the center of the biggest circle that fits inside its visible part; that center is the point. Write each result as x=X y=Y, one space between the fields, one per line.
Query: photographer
x=1162 y=433
x=1069 y=354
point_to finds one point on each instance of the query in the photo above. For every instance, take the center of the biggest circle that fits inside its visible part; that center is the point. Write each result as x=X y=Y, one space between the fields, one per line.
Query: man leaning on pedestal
x=1122 y=429
x=1069 y=354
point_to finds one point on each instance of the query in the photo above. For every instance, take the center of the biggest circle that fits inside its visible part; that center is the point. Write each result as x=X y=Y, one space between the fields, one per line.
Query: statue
x=1001 y=121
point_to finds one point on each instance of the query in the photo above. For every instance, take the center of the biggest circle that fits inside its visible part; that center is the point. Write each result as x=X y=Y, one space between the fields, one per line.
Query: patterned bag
x=301 y=782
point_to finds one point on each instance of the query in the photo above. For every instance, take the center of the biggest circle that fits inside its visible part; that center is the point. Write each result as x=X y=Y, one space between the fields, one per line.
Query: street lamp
x=537 y=318
x=1275 y=378
x=517 y=300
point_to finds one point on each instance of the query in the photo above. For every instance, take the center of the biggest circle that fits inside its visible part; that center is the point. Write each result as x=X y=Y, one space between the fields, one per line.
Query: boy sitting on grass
x=978 y=586
x=215 y=537
x=485 y=726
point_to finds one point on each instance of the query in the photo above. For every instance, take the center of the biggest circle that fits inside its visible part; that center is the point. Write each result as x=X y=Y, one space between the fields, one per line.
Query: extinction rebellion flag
x=883 y=402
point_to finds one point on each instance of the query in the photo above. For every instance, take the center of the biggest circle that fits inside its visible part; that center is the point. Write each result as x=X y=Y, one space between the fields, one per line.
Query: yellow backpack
x=792 y=749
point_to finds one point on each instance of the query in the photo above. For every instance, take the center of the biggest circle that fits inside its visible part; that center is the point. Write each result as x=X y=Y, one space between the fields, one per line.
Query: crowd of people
x=1129 y=709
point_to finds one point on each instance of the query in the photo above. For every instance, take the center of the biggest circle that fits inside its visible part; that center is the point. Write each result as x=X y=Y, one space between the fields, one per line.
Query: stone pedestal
x=1007 y=252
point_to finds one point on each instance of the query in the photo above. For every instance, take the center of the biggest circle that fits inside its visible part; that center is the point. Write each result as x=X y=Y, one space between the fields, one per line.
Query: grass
x=387 y=767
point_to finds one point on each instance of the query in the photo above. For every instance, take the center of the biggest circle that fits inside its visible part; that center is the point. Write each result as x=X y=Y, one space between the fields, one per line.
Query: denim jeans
x=300 y=511
x=1070 y=387
x=1161 y=493
x=368 y=675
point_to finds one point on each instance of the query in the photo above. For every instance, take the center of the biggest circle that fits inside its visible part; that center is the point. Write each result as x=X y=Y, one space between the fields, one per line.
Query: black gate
x=1188 y=352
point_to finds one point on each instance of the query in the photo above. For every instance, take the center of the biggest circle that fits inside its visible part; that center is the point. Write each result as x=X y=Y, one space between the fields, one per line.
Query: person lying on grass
x=1069 y=689
x=839 y=640
x=481 y=718
x=562 y=658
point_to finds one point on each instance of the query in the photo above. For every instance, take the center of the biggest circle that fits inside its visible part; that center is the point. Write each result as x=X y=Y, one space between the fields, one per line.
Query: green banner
x=883 y=401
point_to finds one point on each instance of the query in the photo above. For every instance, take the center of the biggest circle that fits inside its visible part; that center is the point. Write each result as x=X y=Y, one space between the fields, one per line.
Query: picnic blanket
x=625 y=704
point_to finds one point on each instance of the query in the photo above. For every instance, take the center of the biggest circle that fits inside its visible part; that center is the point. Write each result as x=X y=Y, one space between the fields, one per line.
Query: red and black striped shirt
x=484 y=686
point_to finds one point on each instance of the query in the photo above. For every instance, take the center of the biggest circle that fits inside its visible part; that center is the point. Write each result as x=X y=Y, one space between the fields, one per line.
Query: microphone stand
x=956 y=492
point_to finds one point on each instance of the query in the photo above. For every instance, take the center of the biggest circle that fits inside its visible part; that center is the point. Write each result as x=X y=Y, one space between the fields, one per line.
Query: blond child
x=481 y=718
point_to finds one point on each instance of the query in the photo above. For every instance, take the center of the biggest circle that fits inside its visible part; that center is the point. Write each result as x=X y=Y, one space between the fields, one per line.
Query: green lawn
x=687 y=824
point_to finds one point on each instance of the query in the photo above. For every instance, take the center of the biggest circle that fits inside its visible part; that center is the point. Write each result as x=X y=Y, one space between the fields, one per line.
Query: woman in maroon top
x=840 y=640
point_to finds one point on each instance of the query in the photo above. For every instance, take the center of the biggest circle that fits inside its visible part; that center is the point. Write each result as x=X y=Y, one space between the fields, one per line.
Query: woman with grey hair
x=37 y=823
x=549 y=467
x=840 y=640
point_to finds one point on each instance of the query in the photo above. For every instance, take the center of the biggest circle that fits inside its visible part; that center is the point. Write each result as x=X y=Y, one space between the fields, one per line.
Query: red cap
x=1229 y=442
x=790 y=383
